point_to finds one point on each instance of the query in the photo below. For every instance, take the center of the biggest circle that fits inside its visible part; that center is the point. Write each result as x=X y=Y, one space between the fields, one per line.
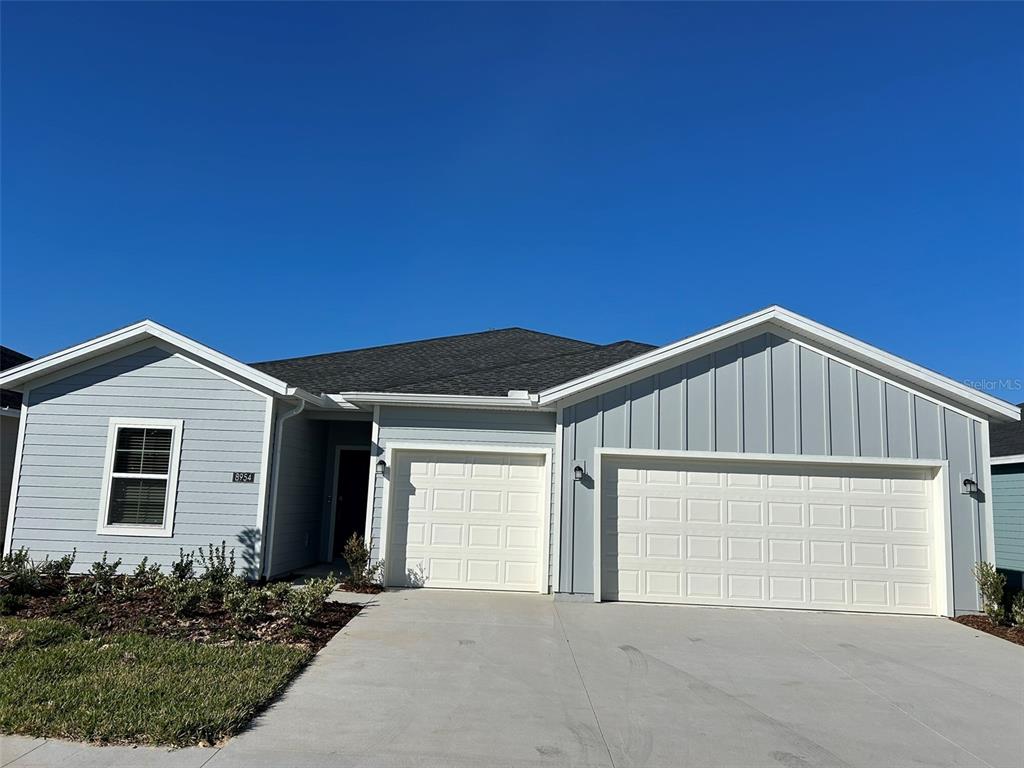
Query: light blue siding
x=457 y=427
x=299 y=512
x=65 y=444
x=769 y=394
x=1008 y=515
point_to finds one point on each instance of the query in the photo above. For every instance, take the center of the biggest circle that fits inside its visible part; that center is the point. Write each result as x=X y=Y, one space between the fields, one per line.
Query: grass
x=59 y=680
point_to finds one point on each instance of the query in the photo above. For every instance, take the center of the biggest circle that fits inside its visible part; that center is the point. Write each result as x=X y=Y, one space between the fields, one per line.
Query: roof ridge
x=503 y=366
x=422 y=341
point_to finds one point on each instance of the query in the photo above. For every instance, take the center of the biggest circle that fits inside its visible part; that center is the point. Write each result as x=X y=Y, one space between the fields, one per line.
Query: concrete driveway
x=431 y=678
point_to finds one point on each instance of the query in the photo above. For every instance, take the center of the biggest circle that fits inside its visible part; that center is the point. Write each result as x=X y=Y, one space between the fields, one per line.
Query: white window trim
x=167 y=529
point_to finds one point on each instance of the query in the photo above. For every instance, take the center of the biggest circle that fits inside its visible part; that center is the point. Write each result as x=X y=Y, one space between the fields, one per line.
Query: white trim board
x=12 y=507
x=776 y=316
x=940 y=468
x=544 y=576
x=1017 y=458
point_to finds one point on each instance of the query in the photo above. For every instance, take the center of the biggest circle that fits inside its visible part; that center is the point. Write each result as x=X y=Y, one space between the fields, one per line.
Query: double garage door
x=467 y=520
x=782 y=536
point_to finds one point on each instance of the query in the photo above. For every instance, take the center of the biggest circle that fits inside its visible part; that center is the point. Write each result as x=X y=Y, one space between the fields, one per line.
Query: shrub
x=305 y=603
x=991 y=584
x=1017 y=610
x=19 y=575
x=183 y=596
x=103 y=574
x=183 y=567
x=218 y=567
x=57 y=571
x=247 y=605
x=279 y=590
x=146 y=575
x=357 y=554
x=10 y=603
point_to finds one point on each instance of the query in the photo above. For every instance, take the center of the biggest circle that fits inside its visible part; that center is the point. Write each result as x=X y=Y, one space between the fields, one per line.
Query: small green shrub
x=183 y=568
x=57 y=571
x=10 y=603
x=1017 y=610
x=991 y=584
x=307 y=602
x=279 y=590
x=146 y=575
x=102 y=575
x=19 y=575
x=357 y=554
x=247 y=605
x=183 y=596
x=218 y=567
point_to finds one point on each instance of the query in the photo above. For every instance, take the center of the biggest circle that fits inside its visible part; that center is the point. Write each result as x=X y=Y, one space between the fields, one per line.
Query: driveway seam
x=37 y=746
x=583 y=683
x=207 y=760
x=889 y=701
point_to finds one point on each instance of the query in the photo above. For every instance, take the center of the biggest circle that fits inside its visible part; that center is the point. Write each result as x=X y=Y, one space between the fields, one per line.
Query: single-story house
x=769 y=461
x=10 y=412
x=1007 y=448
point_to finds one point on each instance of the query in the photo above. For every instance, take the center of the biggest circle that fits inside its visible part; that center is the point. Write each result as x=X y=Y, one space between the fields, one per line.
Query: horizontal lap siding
x=459 y=427
x=768 y=395
x=61 y=475
x=1008 y=514
x=299 y=512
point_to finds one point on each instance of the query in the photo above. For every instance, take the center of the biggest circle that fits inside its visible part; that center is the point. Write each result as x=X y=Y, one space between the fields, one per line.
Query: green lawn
x=57 y=680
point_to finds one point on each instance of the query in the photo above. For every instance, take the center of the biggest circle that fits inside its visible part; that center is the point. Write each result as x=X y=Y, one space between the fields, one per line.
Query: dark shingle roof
x=1007 y=439
x=487 y=363
x=8 y=359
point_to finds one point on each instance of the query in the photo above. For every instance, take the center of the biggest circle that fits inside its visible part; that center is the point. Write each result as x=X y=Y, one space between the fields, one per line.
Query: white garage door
x=749 y=534
x=467 y=520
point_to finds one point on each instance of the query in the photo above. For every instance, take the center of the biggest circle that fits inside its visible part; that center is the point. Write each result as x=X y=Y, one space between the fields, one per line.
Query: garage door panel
x=469 y=521
x=860 y=539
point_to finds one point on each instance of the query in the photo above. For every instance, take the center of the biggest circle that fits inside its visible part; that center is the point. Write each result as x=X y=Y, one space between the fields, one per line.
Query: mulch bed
x=365 y=589
x=146 y=613
x=982 y=624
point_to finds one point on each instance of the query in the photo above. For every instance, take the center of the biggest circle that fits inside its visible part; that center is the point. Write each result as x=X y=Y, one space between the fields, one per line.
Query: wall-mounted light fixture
x=579 y=471
x=381 y=464
x=970 y=486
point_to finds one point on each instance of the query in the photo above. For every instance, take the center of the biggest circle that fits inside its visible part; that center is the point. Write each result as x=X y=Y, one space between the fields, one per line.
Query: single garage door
x=467 y=520
x=771 y=535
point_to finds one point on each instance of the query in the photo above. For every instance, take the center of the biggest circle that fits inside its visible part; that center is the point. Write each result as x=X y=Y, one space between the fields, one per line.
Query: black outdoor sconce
x=579 y=471
x=381 y=464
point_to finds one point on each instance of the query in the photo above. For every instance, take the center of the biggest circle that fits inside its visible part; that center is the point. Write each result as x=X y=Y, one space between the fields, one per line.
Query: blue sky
x=285 y=179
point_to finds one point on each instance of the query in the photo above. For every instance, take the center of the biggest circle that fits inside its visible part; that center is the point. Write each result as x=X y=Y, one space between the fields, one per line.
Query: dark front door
x=350 y=498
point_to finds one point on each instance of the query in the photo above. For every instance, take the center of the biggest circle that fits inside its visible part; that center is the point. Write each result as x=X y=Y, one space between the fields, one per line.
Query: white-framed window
x=140 y=477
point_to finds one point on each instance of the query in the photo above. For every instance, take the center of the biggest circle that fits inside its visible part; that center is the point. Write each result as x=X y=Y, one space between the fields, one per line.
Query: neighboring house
x=10 y=411
x=1008 y=495
x=769 y=461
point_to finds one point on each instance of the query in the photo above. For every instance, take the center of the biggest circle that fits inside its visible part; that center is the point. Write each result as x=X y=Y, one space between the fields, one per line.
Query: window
x=141 y=477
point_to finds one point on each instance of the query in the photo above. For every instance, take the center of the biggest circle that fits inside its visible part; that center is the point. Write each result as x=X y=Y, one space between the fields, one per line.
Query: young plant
x=19 y=575
x=183 y=568
x=57 y=571
x=307 y=602
x=357 y=554
x=247 y=605
x=218 y=567
x=146 y=575
x=183 y=596
x=991 y=584
x=1017 y=610
x=103 y=574
x=279 y=590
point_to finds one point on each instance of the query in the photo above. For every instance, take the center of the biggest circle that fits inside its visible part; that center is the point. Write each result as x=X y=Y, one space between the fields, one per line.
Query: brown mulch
x=982 y=624
x=145 y=613
x=365 y=589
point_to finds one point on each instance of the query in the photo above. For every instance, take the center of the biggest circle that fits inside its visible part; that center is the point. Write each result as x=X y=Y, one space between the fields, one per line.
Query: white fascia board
x=1017 y=458
x=778 y=317
x=438 y=401
x=15 y=378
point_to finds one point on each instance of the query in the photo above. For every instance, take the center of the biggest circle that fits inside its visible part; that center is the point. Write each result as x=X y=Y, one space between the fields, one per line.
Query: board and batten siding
x=769 y=395
x=436 y=427
x=65 y=443
x=1008 y=515
x=299 y=514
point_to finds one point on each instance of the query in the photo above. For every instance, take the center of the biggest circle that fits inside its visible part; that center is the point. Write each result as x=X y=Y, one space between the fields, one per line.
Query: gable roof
x=485 y=364
x=790 y=323
x=9 y=358
x=139 y=332
x=1007 y=439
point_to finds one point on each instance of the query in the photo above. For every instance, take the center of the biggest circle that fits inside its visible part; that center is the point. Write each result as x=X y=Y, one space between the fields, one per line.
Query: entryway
x=351 y=479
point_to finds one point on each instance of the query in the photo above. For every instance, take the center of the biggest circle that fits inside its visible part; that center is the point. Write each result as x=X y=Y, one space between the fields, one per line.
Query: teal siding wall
x=1008 y=514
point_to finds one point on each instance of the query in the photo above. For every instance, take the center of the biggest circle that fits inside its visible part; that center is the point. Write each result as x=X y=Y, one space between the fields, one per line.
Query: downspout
x=275 y=475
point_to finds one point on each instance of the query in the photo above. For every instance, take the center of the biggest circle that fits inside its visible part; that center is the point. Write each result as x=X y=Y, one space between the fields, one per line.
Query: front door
x=350 y=496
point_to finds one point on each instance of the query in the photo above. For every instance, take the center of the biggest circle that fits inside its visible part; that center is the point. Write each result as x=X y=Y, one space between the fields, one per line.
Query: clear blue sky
x=285 y=179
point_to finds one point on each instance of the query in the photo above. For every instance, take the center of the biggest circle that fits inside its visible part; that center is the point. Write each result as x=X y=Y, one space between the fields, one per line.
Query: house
x=1007 y=448
x=769 y=461
x=10 y=412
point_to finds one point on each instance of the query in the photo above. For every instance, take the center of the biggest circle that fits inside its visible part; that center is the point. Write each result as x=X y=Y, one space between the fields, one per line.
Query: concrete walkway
x=431 y=678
